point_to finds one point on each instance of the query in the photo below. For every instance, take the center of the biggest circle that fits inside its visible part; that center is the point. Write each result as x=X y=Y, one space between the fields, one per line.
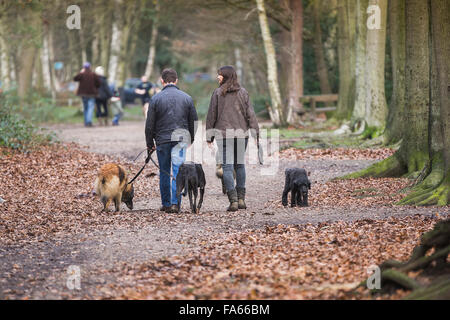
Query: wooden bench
x=313 y=99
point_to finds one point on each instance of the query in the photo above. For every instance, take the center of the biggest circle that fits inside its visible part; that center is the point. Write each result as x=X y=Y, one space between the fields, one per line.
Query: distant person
x=88 y=86
x=169 y=110
x=143 y=89
x=230 y=117
x=104 y=94
x=116 y=108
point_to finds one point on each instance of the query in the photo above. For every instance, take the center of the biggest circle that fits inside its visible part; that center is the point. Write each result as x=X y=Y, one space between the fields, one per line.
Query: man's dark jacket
x=169 y=110
x=89 y=84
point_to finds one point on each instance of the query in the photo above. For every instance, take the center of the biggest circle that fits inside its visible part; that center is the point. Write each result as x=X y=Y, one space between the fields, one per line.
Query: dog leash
x=147 y=161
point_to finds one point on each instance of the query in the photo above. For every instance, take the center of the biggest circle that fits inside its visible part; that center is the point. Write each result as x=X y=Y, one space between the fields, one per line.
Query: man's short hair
x=169 y=75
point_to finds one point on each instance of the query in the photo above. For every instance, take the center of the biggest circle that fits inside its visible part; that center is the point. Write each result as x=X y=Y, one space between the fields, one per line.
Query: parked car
x=127 y=94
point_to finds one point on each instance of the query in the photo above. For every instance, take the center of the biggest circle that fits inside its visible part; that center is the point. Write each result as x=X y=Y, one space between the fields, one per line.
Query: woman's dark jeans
x=231 y=154
x=102 y=103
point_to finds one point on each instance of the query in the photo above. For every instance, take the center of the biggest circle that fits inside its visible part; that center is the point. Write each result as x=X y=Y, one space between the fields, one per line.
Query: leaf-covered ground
x=47 y=193
x=336 y=153
x=323 y=261
x=49 y=221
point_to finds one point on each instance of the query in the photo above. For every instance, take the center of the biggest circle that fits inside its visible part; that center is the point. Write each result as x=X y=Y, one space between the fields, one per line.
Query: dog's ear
x=309 y=185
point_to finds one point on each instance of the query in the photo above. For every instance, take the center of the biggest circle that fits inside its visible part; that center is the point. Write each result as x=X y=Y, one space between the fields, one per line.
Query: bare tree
x=276 y=110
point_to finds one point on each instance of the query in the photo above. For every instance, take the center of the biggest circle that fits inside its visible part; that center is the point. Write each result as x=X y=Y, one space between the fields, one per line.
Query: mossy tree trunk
x=397 y=28
x=424 y=152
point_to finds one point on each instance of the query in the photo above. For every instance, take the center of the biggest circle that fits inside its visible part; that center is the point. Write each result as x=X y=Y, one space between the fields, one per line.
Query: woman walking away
x=104 y=94
x=230 y=117
x=87 y=90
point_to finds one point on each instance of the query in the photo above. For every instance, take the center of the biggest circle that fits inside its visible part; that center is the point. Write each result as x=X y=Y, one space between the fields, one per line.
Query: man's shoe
x=232 y=197
x=173 y=209
x=164 y=209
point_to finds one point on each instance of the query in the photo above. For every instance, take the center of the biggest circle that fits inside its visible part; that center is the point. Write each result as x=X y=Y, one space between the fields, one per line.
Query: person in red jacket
x=88 y=91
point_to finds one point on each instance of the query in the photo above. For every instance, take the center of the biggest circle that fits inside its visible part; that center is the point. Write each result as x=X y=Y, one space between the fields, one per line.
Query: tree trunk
x=83 y=45
x=359 y=109
x=397 y=27
x=27 y=52
x=105 y=38
x=116 y=43
x=45 y=61
x=275 y=111
x=152 y=48
x=26 y=64
x=322 y=70
x=417 y=85
x=295 y=84
x=56 y=85
x=129 y=16
x=376 y=106
x=135 y=34
x=95 y=51
x=239 y=67
x=440 y=17
x=346 y=53
x=4 y=60
x=424 y=151
x=38 y=77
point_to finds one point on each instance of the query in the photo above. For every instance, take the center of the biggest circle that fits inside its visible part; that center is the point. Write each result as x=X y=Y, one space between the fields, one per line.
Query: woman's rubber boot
x=232 y=197
x=241 y=198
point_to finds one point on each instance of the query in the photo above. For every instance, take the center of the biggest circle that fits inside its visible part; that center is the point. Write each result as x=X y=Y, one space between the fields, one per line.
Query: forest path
x=44 y=265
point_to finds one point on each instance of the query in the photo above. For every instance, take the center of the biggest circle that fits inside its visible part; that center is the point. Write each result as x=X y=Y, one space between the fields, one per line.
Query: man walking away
x=87 y=90
x=143 y=89
x=169 y=110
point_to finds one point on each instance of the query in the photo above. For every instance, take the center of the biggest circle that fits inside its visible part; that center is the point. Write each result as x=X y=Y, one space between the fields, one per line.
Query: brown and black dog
x=111 y=184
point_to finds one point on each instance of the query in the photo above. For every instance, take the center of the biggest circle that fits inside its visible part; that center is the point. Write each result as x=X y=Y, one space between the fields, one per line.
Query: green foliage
x=16 y=130
x=372 y=132
x=260 y=103
x=201 y=92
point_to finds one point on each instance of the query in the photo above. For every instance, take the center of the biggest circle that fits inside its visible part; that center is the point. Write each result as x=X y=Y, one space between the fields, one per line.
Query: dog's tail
x=186 y=185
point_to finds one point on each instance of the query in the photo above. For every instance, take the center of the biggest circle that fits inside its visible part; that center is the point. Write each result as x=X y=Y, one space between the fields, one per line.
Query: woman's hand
x=210 y=145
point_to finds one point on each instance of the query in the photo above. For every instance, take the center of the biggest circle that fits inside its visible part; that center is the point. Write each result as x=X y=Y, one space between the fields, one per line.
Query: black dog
x=298 y=184
x=190 y=177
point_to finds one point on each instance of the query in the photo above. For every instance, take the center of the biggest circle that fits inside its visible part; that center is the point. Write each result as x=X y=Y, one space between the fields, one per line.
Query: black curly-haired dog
x=191 y=177
x=297 y=183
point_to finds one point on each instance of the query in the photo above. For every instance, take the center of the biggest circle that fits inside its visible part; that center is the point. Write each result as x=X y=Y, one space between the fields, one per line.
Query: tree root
x=439 y=289
x=424 y=262
x=394 y=273
x=428 y=196
x=390 y=167
x=399 y=278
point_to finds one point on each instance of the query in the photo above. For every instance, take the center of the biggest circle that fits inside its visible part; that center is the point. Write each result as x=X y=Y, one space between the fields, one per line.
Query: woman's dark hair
x=230 y=82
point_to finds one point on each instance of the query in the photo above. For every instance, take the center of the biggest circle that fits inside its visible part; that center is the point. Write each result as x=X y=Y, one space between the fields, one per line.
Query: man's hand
x=149 y=153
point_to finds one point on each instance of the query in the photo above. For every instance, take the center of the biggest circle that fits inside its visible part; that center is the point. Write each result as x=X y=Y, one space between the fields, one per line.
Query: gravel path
x=39 y=270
